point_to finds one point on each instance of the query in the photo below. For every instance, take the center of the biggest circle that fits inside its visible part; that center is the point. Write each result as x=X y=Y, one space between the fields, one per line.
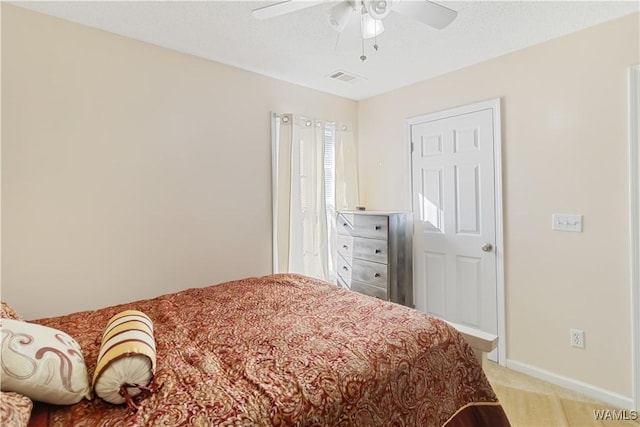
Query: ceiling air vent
x=345 y=77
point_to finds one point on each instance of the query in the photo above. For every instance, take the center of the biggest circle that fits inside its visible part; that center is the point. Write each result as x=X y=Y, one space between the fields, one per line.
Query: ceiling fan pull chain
x=363 y=57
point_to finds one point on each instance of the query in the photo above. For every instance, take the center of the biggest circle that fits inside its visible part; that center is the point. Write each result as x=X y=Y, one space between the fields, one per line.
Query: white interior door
x=454 y=204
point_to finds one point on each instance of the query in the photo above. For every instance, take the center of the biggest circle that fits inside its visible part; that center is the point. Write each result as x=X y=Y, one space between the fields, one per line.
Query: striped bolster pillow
x=127 y=359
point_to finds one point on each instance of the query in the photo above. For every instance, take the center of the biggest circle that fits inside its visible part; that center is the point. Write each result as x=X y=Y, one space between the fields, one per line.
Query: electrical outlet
x=576 y=338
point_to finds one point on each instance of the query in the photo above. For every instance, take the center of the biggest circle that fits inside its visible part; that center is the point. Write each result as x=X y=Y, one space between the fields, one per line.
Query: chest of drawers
x=375 y=254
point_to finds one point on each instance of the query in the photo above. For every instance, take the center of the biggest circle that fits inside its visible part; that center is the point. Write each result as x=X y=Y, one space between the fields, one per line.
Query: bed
x=287 y=350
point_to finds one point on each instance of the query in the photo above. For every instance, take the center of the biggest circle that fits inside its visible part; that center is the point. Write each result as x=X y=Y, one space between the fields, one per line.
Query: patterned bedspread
x=287 y=350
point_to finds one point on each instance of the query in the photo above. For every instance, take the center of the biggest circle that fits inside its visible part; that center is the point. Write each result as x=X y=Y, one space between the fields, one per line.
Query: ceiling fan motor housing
x=378 y=9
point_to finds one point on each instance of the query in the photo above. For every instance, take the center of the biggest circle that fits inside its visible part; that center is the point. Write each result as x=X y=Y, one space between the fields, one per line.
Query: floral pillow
x=7 y=312
x=42 y=363
x=15 y=409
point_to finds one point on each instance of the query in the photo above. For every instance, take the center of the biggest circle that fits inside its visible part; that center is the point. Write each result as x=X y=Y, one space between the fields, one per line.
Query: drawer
x=341 y=283
x=345 y=223
x=372 y=273
x=344 y=271
x=375 y=250
x=370 y=249
x=372 y=291
x=363 y=225
x=345 y=245
x=365 y=289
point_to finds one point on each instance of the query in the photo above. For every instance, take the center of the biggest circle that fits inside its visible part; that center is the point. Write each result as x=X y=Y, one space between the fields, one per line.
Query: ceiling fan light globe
x=371 y=27
x=339 y=15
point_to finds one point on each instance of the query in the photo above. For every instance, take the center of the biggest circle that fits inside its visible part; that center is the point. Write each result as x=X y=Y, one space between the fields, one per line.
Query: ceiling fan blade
x=283 y=7
x=427 y=12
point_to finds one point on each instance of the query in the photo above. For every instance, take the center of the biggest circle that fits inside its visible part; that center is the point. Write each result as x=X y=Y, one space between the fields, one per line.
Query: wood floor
x=534 y=403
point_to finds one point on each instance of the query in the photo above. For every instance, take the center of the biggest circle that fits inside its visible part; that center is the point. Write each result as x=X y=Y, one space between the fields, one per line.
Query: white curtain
x=346 y=169
x=309 y=173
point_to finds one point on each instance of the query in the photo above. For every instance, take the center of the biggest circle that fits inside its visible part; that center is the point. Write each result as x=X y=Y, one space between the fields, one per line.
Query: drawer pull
x=345 y=247
x=345 y=268
x=378 y=251
x=378 y=227
x=376 y=275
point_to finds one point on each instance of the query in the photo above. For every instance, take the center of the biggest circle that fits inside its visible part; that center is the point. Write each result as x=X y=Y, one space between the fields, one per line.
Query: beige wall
x=129 y=170
x=564 y=115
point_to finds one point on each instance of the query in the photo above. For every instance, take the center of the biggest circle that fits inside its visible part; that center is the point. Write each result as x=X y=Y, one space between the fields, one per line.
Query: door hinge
x=412 y=146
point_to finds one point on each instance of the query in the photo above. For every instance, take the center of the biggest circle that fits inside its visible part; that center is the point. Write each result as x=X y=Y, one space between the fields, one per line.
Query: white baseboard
x=605 y=396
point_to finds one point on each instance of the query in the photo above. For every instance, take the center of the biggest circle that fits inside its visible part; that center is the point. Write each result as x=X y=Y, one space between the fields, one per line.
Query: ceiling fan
x=371 y=13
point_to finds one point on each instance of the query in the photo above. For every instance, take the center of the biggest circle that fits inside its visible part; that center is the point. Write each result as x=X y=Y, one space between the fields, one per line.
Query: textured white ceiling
x=302 y=48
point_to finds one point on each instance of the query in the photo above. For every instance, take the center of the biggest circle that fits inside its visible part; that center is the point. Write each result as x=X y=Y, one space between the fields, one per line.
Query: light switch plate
x=566 y=222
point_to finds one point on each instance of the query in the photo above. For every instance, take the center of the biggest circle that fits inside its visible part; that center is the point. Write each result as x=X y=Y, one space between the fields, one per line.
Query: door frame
x=494 y=105
x=634 y=224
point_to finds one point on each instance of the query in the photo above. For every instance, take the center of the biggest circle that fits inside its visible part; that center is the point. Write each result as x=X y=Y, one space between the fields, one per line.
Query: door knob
x=487 y=247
